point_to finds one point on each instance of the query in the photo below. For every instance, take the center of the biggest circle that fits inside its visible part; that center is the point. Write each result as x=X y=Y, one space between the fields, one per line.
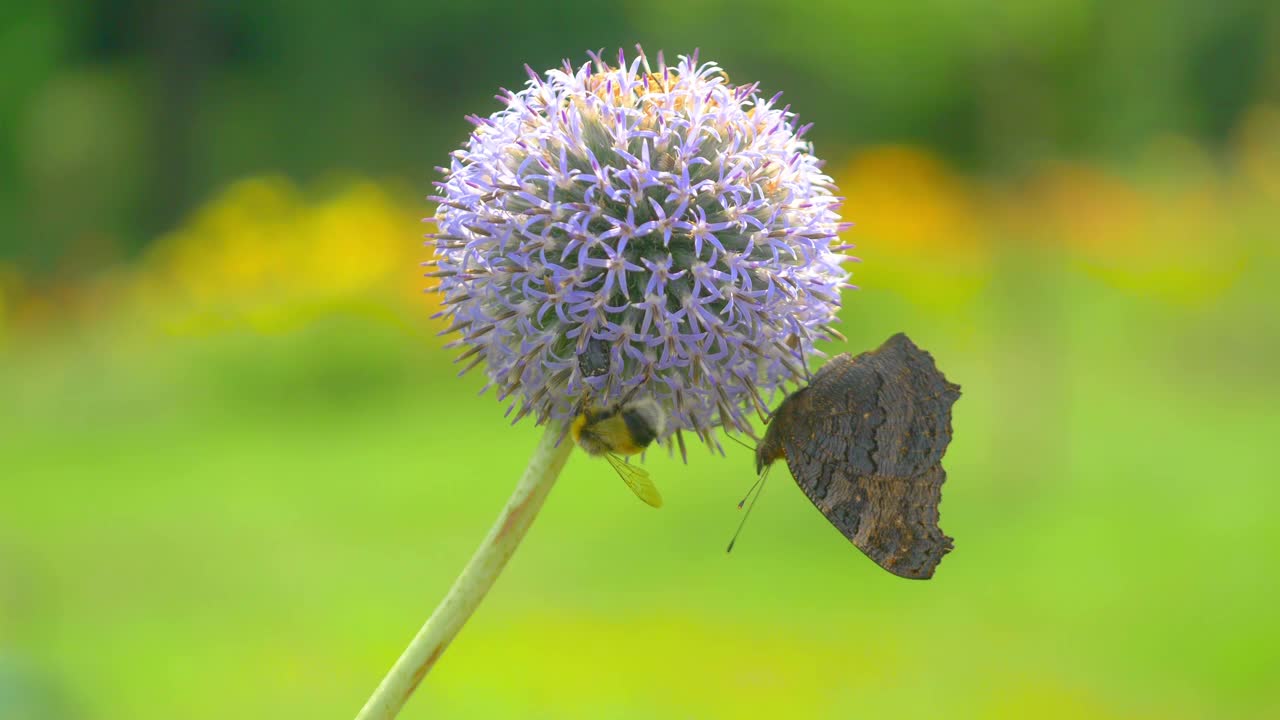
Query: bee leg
x=630 y=394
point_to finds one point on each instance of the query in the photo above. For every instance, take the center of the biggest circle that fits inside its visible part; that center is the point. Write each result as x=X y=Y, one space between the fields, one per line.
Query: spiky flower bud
x=623 y=226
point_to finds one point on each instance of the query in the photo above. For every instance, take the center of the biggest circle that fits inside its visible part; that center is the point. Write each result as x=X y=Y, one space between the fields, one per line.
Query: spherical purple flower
x=623 y=230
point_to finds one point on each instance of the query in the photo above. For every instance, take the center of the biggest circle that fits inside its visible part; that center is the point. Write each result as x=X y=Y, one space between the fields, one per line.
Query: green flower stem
x=476 y=579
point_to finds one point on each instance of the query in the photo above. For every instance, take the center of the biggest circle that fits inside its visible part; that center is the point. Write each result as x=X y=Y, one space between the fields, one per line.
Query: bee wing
x=637 y=479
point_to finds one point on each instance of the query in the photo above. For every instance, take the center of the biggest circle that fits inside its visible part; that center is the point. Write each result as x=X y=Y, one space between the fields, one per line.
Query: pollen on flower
x=657 y=216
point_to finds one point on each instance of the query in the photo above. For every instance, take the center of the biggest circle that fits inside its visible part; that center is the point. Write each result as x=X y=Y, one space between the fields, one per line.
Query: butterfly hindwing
x=893 y=520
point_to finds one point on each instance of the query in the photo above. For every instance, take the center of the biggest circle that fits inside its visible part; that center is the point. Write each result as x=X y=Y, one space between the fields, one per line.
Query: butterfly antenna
x=752 y=489
x=740 y=442
x=759 y=483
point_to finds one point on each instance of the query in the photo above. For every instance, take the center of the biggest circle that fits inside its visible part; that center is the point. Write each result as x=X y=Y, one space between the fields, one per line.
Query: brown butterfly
x=864 y=440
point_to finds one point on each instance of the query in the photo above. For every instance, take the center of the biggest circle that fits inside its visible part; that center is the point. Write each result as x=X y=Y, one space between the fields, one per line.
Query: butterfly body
x=864 y=441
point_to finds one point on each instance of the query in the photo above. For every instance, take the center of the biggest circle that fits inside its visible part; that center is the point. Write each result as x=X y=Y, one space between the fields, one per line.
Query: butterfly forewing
x=916 y=401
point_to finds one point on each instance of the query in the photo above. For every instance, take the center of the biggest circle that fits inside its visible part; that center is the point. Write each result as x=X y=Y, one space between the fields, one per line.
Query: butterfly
x=864 y=441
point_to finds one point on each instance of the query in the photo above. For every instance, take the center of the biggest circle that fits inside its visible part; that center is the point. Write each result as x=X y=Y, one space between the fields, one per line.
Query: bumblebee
x=625 y=428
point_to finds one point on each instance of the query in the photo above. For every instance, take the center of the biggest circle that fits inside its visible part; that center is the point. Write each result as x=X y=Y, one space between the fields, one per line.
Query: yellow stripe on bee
x=576 y=428
x=613 y=432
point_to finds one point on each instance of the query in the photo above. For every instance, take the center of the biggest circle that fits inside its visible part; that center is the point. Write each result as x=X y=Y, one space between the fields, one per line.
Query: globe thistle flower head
x=623 y=229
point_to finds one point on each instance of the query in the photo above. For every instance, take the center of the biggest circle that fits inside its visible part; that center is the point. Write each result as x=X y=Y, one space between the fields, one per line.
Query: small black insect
x=593 y=361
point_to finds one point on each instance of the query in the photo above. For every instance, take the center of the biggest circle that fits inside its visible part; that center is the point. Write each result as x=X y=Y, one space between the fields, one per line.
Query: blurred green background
x=237 y=472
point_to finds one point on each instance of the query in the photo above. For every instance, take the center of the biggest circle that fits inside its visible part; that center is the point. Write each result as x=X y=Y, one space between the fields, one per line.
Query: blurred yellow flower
x=262 y=254
x=8 y=281
x=1170 y=236
x=1257 y=191
x=918 y=226
x=1257 y=148
x=267 y=255
x=1086 y=211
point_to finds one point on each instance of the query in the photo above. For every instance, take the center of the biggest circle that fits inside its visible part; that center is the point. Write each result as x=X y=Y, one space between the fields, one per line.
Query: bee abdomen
x=593 y=445
x=640 y=427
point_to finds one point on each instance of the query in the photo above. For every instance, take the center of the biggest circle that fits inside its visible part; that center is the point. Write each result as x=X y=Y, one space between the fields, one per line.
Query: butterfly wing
x=865 y=442
x=916 y=401
x=637 y=479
